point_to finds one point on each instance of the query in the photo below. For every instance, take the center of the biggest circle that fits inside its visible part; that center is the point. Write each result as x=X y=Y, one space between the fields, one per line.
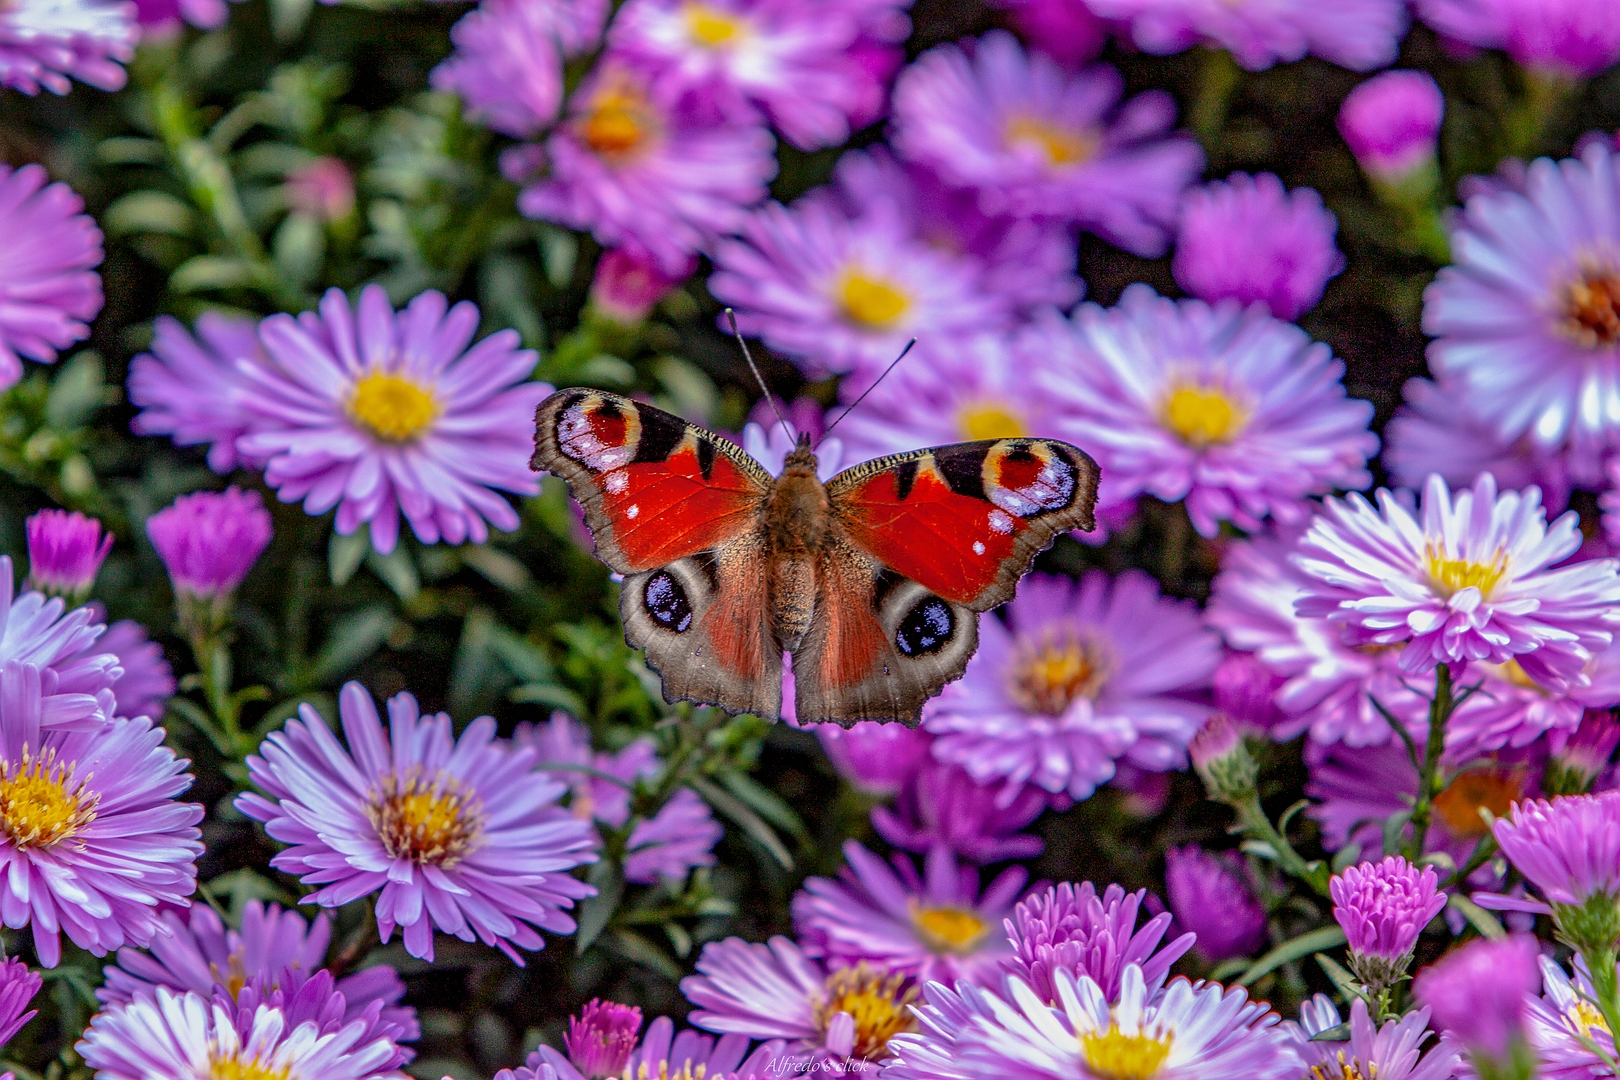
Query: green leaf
x=344 y=554
x=595 y=911
x=353 y=638
x=1326 y=937
x=1336 y=1033
x=645 y=953
x=287 y=17
x=1477 y=917
x=559 y=249
x=149 y=212
x=298 y=248
x=499 y=567
x=550 y=694
x=203 y=272
x=1341 y=978
x=397 y=571
x=766 y=802
x=78 y=390
x=1346 y=857
x=750 y=823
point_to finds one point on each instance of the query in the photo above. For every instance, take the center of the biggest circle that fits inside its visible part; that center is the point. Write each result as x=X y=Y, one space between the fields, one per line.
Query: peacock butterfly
x=873 y=582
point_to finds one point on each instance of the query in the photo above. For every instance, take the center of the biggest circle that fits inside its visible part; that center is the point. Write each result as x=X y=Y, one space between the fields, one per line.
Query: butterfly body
x=872 y=581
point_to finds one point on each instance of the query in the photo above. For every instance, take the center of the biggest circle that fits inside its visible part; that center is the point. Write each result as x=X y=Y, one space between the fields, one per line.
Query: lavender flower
x=1480 y=992
x=508 y=63
x=1069 y=928
x=147 y=681
x=1383 y=907
x=1390 y=1052
x=1391 y=123
x=941 y=805
x=879 y=759
x=65 y=552
x=1583 y=757
x=1557 y=37
x=76 y=673
x=1564 y=1026
x=163 y=18
x=208 y=541
x=1065 y=30
x=1569 y=850
x=666 y=846
x=601 y=1038
x=662 y=1053
x=628 y=284
x=192 y=389
x=1248 y=239
x=18 y=985
x=45 y=42
x=49 y=248
x=1358 y=34
x=1210 y=898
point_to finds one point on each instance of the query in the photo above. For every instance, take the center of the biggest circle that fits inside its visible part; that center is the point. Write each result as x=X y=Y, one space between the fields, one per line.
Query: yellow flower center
x=619 y=122
x=234 y=977
x=1514 y=675
x=871 y=302
x=712 y=28
x=1114 y=1055
x=1343 y=1069
x=1060 y=146
x=1048 y=673
x=874 y=1001
x=989 y=420
x=1460 y=803
x=1450 y=576
x=1203 y=416
x=1584 y=1018
x=949 y=929
x=1591 y=309
x=37 y=808
x=393 y=407
x=426 y=822
x=236 y=1069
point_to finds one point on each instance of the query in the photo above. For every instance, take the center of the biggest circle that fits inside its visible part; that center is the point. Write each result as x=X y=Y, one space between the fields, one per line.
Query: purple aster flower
x=1230 y=410
x=189 y=1037
x=1568 y=848
x=601 y=1038
x=381 y=414
x=1459 y=580
x=1357 y=34
x=1390 y=1052
x=935 y=926
x=1210 y=897
x=942 y=805
x=322 y=188
x=44 y=42
x=197 y=952
x=48 y=280
x=1563 y=1025
x=163 y=18
x=1560 y=37
x=1070 y=928
x=507 y=66
x=65 y=552
x=662 y=1053
x=1480 y=992
x=209 y=540
x=640 y=170
x=92 y=840
x=879 y=759
x=1574 y=766
x=844 y=294
x=1527 y=319
x=770 y=443
x=1065 y=30
x=192 y=389
x=1246 y=692
x=1249 y=239
x=774 y=991
x=459 y=834
x=680 y=836
x=148 y=681
x=1078 y=675
x=76 y=673
x=1034 y=141
x=18 y=985
x=628 y=284
x=1391 y=123
x=1383 y=907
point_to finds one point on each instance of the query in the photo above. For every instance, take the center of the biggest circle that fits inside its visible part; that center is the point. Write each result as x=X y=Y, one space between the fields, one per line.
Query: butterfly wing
x=926 y=541
x=677 y=510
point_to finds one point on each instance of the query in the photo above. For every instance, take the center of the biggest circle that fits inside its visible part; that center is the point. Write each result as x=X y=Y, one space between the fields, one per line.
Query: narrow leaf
x=595 y=911
x=1326 y=937
x=750 y=822
x=1477 y=917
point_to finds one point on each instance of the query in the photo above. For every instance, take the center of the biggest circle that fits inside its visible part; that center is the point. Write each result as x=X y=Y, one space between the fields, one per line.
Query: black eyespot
x=666 y=602
x=926 y=628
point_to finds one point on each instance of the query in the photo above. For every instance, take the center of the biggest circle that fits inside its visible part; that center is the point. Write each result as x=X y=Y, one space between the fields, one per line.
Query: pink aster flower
x=18 y=985
x=65 y=552
x=1390 y=1052
x=459 y=834
x=1527 y=319
x=879 y=759
x=641 y=170
x=1563 y=1025
x=160 y=18
x=45 y=42
x=191 y=389
x=1071 y=928
x=1210 y=897
x=628 y=284
x=934 y=926
x=49 y=248
x=147 y=681
x=1568 y=849
x=508 y=62
x=663 y=1052
x=941 y=805
x=843 y=294
x=1065 y=30
x=1357 y=34
x=1480 y=993
x=602 y=1037
x=1383 y=907
x=1462 y=579
x=1237 y=414
x=1248 y=239
x=208 y=540
x=1575 y=766
x=321 y=188
x=1246 y=691
x=379 y=414
x=92 y=840
x=1391 y=123
x=1079 y=675
x=1034 y=141
x=1562 y=37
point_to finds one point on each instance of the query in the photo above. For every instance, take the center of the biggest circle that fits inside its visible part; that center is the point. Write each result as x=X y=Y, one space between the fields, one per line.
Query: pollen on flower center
x=949 y=929
x=1058 y=145
x=1114 y=1055
x=871 y=302
x=393 y=407
x=1451 y=576
x=236 y=1069
x=1591 y=311
x=428 y=822
x=37 y=809
x=874 y=1001
x=989 y=420
x=618 y=124
x=1460 y=803
x=1343 y=1069
x=710 y=27
x=1584 y=1018
x=1202 y=416
x=1048 y=673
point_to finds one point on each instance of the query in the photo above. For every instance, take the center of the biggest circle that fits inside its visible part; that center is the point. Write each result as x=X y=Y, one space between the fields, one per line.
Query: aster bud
x=1572 y=769
x=1225 y=764
x=1391 y=123
x=1383 y=907
x=1209 y=896
x=601 y=1038
x=65 y=552
x=208 y=542
x=628 y=283
x=1479 y=994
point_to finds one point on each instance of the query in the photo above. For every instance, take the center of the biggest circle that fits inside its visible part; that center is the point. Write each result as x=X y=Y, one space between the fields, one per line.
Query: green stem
x=1253 y=820
x=1526 y=125
x=1217 y=81
x=1605 y=984
x=1440 y=710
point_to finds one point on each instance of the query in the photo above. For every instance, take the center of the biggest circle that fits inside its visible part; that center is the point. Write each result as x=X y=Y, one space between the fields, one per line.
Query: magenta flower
x=1246 y=692
x=1480 y=992
x=942 y=805
x=639 y=170
x=380 y=414
x=1560 y=37
x=1391 y=123
x=934 y=926
x=1383 y=907
x=148 y=681
x=1248 y=239
x=49 y=248
x=666 y=846
x=1079 y=675
x=1563 y=1026
x=628 y=284
x=1461 y=579
x=44 y=42
x=18 y=985
x=159 y=18
x=462 y=835
x=1209 y=897
x=1070 y=928
x=1065 y=30
x=1033 y=141
x=322 y=188
x=601 y=1038
x=1237 y=414
x=1581 y=760
x=76 y=672
x=508 y=63
x=192 y=389
x=65 y=552
x=662 y=1053
x=1357 y=34
x=1568 y=848
x=209 y=540
x=92 y=841
x=1390 y=1052
x=879 y=759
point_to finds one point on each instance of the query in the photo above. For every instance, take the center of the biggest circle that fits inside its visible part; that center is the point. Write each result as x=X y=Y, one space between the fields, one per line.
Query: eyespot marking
x=666 y=602
x=927 y=627
x=598 y=434
x=1028 y=479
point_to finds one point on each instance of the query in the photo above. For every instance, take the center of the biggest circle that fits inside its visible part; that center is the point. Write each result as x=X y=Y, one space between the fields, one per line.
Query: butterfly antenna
x=869 y=389
x=731 y=317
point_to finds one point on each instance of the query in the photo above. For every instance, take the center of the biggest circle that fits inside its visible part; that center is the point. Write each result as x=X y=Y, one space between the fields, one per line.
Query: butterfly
x=873 y=582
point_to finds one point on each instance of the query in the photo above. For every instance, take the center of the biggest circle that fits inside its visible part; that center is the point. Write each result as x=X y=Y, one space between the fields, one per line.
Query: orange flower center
x=1480 y=789
x=1048 y=673
x=1591 y=314
x=874 y=1001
